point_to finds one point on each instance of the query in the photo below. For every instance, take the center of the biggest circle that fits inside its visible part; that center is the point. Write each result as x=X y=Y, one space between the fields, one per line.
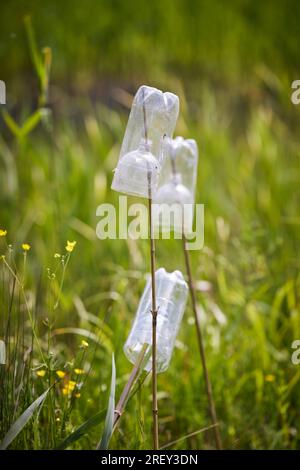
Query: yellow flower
x=79 y=371
x=270 y=378
x=69 y=387
x=41 y=373
x=70 y=246
x=71 y=384
x=77 y=395
x=84 y=344
x=3 y=232
x=60 y=373
x=26 y=246
x=57 y=255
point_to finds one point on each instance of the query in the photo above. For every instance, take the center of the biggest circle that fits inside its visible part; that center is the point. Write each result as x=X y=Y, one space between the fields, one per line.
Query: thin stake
x=212 y=408
x=154 y=307
x=154 y=323
x=126 y=391
x=211 y=403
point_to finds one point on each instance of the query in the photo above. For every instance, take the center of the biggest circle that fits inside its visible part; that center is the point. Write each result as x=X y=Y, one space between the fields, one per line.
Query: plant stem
x=212 y=408
x=126 y=391
x=65 y=264
x=27 y=307
x=154 y=322
x=183 y=438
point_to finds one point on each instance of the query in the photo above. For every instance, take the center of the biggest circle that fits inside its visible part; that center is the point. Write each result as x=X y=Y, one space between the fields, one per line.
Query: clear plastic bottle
x=171 y=296
x=177 y=184
x=153 y=115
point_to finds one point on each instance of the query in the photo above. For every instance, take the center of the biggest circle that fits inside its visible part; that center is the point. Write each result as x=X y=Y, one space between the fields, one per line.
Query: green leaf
x=109 y=420
x=82 y=430
x=2 y=352
x=11 y=124
x=31 y=122
x=21 y=422
x=28 y=126
x=41 y=61
x=35 y=55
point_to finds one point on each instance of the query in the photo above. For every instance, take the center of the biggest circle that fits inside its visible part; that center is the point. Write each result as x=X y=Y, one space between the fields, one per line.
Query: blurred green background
x=232 y=65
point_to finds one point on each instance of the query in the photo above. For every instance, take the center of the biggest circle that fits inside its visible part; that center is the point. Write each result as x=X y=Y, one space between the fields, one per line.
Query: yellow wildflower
x=270 y=378
x=79 y=371
x=3 y=232
x=84 y=344
x=69 y=387
x=60 y=373
x=77 y=395
x=70 y=246
x=57 y=255
x=26 y=246
x=41 y=373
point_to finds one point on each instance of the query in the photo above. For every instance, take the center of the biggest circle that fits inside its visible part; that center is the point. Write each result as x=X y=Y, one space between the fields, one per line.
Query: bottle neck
x=176 y=178
x=145 y=145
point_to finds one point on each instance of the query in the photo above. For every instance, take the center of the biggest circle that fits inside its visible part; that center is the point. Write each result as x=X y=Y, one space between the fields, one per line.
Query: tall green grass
x=53 y=177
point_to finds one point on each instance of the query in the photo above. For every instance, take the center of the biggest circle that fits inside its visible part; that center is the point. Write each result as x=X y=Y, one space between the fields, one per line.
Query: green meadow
x=71 y=70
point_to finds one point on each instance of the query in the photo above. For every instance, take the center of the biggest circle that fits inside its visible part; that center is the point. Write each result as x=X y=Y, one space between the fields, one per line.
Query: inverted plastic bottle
x=177 y=184
x=153 y=115
x=171 y=292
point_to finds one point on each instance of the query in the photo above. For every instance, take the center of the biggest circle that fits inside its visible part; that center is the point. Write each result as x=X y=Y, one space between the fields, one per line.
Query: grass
x=53 y=178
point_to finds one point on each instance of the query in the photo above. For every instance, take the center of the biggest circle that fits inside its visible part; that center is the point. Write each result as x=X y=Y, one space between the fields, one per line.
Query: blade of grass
x=183 y=438
x=35 y=55
x=82 y=430
x=31 y=122
x=21 y=422
x=103 y=341
x=11 y=124
x=109 y=420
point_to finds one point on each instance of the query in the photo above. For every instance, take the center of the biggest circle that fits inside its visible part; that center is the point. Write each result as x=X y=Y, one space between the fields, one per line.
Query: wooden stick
x=154 y=307
x=212 y=408
x=126 y=391
x=154 y=323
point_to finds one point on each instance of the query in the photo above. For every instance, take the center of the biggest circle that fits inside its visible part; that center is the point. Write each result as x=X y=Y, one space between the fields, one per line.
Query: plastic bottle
x=177 y=184
x=152 y=117
x=171 y=295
